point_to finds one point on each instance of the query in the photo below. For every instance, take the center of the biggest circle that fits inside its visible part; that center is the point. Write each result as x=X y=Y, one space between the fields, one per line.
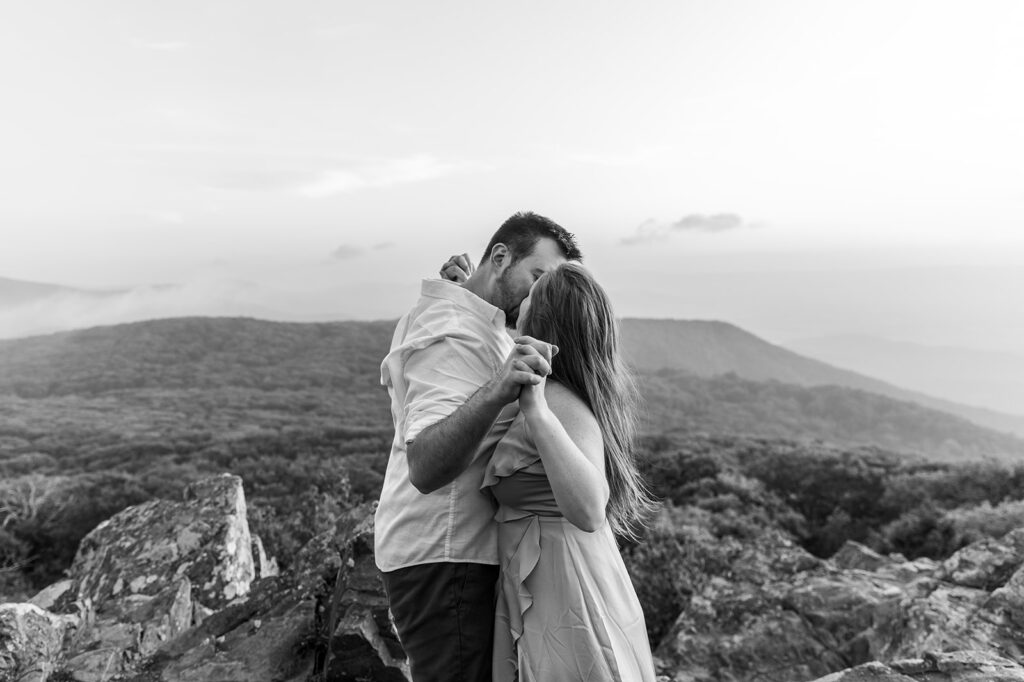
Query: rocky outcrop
x=167 y=591
x=326 y=618
x=182 y=592
x=30 y=642
x=801 y=620
x=145 y=576
x=362 y=643
x=203 y=540
x=956 y=666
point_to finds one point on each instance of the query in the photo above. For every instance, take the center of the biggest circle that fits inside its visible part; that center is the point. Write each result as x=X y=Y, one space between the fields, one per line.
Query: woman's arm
x=571 y=447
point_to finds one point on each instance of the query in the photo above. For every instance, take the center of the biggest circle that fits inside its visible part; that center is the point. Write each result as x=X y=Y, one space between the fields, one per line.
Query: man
x=452 y=369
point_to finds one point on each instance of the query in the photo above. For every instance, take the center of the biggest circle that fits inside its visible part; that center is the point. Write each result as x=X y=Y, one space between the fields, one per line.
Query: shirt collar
x=462 y=297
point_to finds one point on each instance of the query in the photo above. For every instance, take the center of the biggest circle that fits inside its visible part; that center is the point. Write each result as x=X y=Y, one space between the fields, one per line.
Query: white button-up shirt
x=448 y=346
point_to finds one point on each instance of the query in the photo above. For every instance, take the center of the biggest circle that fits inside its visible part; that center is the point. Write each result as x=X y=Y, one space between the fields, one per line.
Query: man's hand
x=527 y=365
x=442 y=451
x=457 y=268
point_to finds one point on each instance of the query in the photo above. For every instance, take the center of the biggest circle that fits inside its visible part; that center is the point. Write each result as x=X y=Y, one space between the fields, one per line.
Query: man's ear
x=499 y=257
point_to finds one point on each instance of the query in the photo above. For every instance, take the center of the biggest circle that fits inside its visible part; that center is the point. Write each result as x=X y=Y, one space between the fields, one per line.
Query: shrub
x=921 y=532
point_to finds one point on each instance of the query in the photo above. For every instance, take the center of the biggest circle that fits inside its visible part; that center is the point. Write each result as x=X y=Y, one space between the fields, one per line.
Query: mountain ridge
x=723 y=347
x=992 y=379
x=193 y=361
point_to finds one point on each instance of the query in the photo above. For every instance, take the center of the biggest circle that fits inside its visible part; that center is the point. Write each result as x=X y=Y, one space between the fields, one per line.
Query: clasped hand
x=525 y=369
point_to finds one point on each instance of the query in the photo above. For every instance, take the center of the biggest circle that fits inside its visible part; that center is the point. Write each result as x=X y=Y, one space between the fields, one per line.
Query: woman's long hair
x=571 y=310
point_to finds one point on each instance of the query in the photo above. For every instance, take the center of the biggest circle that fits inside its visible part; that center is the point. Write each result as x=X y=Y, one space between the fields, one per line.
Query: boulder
x=780 y=619
x=269 y=636
x=855 y=555
x=30 y=642
x=48 y=596
x=326 y=618
x=145 y=549
x=166 y=591
x=265 y=565
x=139 y=578
x=362 y=643
x=951 y=666
x=867 y=672
x=741 y=627
x=936 y=616
x=986 y=564
x=140 y=551
x=843 y=608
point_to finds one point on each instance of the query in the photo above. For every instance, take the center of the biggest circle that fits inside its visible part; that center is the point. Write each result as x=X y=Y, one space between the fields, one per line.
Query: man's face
x=515 y=281
x=524 y=310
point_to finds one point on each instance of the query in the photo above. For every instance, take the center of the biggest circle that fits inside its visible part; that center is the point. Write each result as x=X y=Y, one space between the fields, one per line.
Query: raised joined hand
x=458 y=268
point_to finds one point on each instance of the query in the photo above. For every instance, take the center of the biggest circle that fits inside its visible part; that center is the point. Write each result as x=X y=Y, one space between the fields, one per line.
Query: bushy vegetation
x=723 y=495
x=296 y=485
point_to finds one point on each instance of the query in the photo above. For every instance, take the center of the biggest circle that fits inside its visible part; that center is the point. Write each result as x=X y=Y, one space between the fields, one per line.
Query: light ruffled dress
x=566 y=607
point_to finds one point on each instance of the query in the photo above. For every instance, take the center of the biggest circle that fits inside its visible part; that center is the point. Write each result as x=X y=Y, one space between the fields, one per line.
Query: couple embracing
x=511 y=472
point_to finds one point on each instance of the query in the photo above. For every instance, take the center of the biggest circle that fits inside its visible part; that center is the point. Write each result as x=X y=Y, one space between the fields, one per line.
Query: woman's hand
x=532 y=401
x=457 y=268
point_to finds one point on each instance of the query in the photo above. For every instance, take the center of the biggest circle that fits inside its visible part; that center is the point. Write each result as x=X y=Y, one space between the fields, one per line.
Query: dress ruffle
x=518 y=568
x=510 y=457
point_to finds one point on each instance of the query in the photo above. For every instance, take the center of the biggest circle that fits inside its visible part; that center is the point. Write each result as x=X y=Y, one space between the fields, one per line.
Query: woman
x=566 y=484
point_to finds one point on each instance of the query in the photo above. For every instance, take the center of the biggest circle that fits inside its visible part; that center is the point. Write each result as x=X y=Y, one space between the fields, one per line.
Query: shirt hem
x=437 y=561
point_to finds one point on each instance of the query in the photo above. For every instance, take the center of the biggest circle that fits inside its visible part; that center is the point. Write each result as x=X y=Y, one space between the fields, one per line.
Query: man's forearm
x=444 y=450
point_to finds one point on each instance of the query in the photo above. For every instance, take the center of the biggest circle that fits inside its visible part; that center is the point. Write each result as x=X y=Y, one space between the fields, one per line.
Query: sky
x=798 y=167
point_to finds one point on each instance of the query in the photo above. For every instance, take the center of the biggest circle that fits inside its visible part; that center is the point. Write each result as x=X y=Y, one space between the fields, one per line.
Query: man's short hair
x=522 y=231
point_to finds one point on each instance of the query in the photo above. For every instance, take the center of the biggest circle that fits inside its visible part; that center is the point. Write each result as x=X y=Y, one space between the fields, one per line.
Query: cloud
x=159 y=45
x=166 y=217
x=381 y=174
x=652 y=231
x=641 y=156
x=342 y=31
x=331 y=182
x=78 y=309
x=261 y=180
x=347 y=252
x=317 y=177
x=718 y=222
x=647 y=231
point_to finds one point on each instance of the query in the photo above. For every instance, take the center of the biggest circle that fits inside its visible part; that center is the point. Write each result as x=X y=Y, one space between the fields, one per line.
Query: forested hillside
x=230 y=376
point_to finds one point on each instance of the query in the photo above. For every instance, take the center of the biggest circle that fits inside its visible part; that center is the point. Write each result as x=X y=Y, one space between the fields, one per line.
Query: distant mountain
x=710 y=348
x=32 y=308
x=985 y=378
x=14 y=292
x=223 y=376
x=197 y=354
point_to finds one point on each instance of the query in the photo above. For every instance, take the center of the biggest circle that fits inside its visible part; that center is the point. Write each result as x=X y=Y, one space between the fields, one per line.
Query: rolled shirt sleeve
x=439 y=379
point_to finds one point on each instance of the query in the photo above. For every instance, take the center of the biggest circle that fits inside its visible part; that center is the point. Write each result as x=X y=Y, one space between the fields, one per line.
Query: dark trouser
x=445 y=618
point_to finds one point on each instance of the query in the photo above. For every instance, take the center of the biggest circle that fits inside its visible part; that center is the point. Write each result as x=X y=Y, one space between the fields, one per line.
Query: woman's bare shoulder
x=569 y=407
